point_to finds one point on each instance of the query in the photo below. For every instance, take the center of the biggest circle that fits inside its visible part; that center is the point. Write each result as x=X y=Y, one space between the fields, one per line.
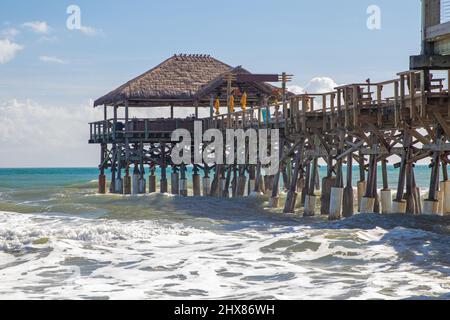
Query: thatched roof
x=179 y=80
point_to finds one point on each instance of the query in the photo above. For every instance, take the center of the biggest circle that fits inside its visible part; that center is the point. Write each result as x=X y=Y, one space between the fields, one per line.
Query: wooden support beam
x=442 y=122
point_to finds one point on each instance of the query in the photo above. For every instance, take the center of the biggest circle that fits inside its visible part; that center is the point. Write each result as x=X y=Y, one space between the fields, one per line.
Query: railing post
x=346 y=107
x=379 y=91
x=423 y=94
x=304 y=109
x=339 y=107
x=412 y=94
x=402 y=95
x=355 y=105
x=396 y=104
x=105 y=121
x=324 y=111
x=332 y=97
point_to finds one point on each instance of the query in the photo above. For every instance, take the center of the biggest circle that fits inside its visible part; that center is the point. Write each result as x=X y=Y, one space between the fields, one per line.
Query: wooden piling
x=127 y=181
x=163 y=181
x=175 y=181
x=347 y=202
x=183 y=181
x=291 y=197
x=196 y=186
x=152 y=181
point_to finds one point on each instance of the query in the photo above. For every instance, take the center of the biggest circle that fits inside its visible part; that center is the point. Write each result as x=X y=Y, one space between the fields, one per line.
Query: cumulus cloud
x=8 y=50
x=321 y=85
x=296 y=89
x=32 y=134
x=315 y=85
x=38 y=26
x=50 y=59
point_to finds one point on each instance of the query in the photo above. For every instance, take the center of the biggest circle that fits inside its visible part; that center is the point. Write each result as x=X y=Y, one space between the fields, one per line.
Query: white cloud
x=50 y=59
x=315 y=85
x=296 y=89
x=36 y=135
x=8 y=50
x=321 y=85
x=38 y=26
x=10 y=33
x=90 y=31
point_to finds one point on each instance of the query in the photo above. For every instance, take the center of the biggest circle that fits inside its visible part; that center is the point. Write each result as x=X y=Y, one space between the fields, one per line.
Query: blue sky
x=57 y=68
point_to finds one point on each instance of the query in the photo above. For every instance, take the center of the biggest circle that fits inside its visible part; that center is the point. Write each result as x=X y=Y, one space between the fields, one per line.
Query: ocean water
x=59 y=239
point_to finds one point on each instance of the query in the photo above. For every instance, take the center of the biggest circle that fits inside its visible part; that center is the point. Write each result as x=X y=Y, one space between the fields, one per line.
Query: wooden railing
x=344 y=108
x=341 y=108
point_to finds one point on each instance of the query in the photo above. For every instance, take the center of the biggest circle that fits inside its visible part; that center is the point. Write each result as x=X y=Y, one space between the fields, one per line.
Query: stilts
x=386 y=193
x=291 y=197
x=175 y=181
x=368 y=201
x=275 y=198
x=225 y=191
x=242 y=182
x=337 y=191
x=127 y=181
x=307 y=180
x=311 y=198
x=196 y=182
x=163 y=181
x=152 y=180
x=135 y=180
x=431 y=205
x=183 y=181
x=142 y=181
x=445 y=189
x=112 y=187
x=102 y=177
x=327 y=183
x=362 y=183
x=399 y=204
x=347 y=202
x=119 y=181
x=206 y=182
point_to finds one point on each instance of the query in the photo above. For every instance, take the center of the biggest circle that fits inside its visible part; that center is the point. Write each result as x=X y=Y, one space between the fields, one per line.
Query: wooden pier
x=362 y=124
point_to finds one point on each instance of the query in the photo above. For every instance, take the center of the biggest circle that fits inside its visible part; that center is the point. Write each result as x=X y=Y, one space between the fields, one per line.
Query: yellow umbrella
x=244 y=101
x=231 y=104
x=217 y=106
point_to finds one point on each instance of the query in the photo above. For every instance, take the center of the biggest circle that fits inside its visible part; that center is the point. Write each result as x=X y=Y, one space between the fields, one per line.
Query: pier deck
x=363 y=122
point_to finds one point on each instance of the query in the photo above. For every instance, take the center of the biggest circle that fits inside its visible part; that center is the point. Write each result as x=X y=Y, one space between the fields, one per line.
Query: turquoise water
x=60 y=239
x=51 y=177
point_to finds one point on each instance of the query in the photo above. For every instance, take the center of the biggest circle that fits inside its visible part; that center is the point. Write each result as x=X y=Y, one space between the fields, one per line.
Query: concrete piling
x=386 y=193
x=386 y=201
x=336 y=199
